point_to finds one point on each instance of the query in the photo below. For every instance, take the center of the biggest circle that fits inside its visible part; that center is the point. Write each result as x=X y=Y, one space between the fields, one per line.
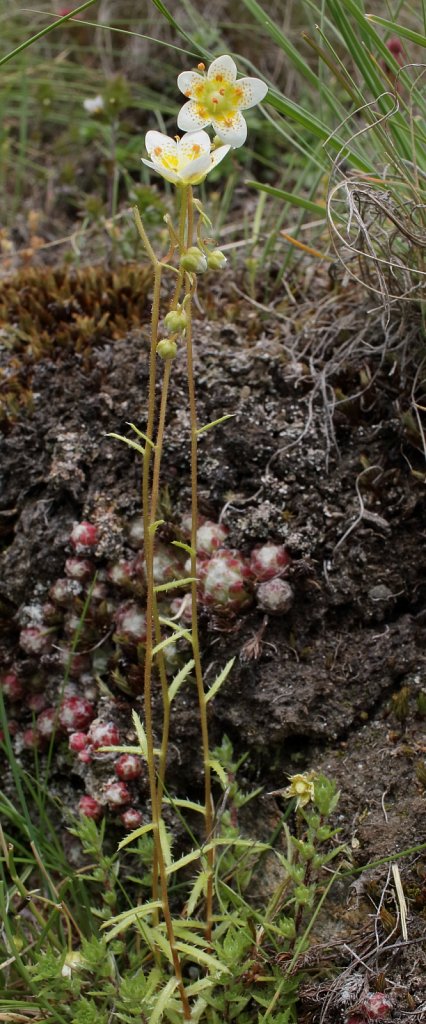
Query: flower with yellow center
x=301 y=786
x=184 y=161
x=217 y=98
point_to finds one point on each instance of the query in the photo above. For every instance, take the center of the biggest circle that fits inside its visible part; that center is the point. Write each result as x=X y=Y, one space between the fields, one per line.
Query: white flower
x=94 y=105
x=183 y=162
x=217 y=99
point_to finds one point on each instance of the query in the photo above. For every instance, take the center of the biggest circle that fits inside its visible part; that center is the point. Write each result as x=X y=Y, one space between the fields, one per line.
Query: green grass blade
x=45 y=31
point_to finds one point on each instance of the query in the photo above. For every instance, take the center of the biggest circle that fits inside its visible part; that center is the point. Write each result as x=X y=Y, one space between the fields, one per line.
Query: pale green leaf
x=128 y=918
x=178 y=679
x=165 y=843
x=140 y=732
x=198 y=890
x=220 y=679
x=188 y=805
x=138 y=832
x=140 y=434
x=163 y=1001
x=185 y=547
x=128 y=440
x=164 y=587
x=201 y=957
x=215 y=423
x=219 y=771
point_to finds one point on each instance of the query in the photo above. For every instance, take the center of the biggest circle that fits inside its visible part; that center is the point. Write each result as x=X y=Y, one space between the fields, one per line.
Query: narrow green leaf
x=178 y=679
x=138 y=832
x=289 y=197
x=140 y=732
x=198 y=890
x=128 y=918
x=168 y=640
x=201 y=957
x=176 y=629
x=163 y=1001
x=219 y=771
x=220 y=679
x=128 y=440
x=185 y=547
x=214 y=423
x=189 y=805
x=165 y=843
x=397 y=29
x=173 y=584
x=45 y=31
x=154 y=526
x=141 y=434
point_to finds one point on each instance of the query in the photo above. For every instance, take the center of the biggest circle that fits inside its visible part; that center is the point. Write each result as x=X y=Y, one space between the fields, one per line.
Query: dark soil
x=337 y=684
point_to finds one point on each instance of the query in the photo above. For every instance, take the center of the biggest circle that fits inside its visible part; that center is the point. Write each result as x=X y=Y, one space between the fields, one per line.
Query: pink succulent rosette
x=217 y=98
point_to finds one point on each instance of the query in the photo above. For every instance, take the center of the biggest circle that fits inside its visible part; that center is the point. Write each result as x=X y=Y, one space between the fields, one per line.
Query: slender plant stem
x=195 y=634
x=159 y=867
x=180 y=240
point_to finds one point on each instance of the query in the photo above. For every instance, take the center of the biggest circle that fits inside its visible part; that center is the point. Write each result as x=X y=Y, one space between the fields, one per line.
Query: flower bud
x=216 y=260
x=176 y=320
x=194 y=260
x=166 y=348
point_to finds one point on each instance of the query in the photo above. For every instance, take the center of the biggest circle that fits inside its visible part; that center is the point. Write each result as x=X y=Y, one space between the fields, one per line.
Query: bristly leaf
x=163 y=1001
x=128 y=440
x=142 y=435
x=140 y=732
x=164 y=587
x=136 y=834
x=178 y=679
x=215 y=423
x=198 y=890
x=123 y=921
x=185 y=547
x=169 y=640
x=220 y=679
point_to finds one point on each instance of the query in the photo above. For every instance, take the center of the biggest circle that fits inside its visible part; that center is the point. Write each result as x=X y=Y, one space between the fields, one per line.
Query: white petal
x=223 y=66
x=188 y=80
x=254 y=91
x=218 y=155
x=195 y=168
x=189 y=119
x=168 y=175
x=186 y=145
x=154 y=140
x=234 y=133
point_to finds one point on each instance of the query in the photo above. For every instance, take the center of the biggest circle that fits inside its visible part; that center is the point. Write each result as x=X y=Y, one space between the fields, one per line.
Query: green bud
x=176 y=320
x=109 y=898
x=303 y=895
x=166 y=348
x=216 y=260
x=287 y=927
x=194 y=260
x=324 y=833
